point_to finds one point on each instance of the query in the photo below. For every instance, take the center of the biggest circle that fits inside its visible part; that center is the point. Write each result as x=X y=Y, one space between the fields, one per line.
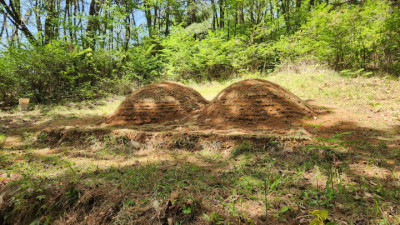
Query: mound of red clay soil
x=255 y=103
x=158 y=103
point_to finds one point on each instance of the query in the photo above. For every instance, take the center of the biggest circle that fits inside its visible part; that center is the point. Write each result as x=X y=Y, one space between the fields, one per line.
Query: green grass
x=238 y=184
x=2 y=138
x=98 y=178
x=330 y=88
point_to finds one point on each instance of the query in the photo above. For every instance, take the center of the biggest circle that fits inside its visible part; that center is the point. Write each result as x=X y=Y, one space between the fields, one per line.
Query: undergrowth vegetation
x=282 y=181
x=356 y=39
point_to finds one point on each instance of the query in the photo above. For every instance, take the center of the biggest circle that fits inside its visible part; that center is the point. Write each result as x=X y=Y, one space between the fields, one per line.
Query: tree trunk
x=215 y=14
x=93 y=23
x=221 y=13
x=147 y=14
x=50 y=25
x=167 y=20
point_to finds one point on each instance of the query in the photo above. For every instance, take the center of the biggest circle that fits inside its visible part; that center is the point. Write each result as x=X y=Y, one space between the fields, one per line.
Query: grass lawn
x=60 y=164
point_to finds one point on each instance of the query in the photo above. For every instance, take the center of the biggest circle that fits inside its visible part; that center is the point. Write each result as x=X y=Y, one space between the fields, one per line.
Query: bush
x=214 y=56
x=55 y=71
x=353 y=37
x=210 y=58
x=143 y=63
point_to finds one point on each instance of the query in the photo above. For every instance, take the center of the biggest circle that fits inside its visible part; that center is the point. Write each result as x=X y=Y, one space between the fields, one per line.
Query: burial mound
x=158 y=103
x=255 y=103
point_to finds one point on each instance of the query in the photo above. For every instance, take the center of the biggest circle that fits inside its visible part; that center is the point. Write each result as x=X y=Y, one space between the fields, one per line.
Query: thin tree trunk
x=127 y=32
x=236 y=19
x=147 y=13
x=155 y=17
x=49 y=24
x=167 y=20
x=193 y=12
x=221 y=14
x=242 y=14
x=215 y=17
x=93 y=23
x=3 y=25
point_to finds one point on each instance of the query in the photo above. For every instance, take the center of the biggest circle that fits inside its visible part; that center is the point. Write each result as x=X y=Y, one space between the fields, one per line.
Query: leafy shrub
x=208 y=58
x=143 y=62
x=352 y=37
x=55 y=71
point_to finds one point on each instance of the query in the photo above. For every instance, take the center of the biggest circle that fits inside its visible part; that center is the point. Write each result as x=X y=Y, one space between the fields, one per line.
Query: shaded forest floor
x=63 y=165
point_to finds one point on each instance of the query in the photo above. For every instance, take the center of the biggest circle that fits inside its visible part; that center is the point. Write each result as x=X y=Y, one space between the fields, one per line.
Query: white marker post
x=23 y=104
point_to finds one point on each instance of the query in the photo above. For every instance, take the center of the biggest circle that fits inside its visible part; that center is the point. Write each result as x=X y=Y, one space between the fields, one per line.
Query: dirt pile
x=256 y=103
x=158 y=103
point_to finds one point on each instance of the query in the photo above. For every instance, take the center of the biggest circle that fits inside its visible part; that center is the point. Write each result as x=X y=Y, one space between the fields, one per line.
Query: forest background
x=54 y=51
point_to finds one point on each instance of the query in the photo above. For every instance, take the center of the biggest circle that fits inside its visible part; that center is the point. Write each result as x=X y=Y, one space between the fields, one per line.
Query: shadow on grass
x=353 y=168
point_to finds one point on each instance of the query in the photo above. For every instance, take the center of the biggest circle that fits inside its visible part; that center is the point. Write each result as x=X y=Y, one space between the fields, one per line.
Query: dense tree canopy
x=54 y=49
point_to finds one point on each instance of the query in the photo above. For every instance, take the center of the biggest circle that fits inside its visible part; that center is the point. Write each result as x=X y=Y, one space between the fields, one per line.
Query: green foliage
x=320 y=217
x=130 y=203
x=355 y=38
x=4 y=161
x=214 y=218
x=284 y=210
x=193 y=41
x=117 y=144
x=187 y=209
x=2 y=138
x=190 y=58
x=143 y=63
x=244 y=147
x=42 y=137
x=55 y=72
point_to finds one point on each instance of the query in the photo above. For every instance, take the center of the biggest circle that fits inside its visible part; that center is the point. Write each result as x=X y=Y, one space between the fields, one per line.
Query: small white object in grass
x=315 y=118
x=134 y=144
x=23 y=104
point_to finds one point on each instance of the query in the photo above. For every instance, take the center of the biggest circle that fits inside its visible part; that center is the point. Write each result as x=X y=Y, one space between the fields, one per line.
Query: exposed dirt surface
x=255 y=102
x=157 y=103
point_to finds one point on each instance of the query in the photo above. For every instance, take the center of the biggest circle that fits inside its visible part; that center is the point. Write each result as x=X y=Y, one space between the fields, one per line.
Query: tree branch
x=15 y=18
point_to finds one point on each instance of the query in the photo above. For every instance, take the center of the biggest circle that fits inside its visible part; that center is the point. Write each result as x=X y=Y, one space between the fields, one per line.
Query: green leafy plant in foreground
x=2 y=138
x=214 y=218
x=320 y=217
x=244 y=147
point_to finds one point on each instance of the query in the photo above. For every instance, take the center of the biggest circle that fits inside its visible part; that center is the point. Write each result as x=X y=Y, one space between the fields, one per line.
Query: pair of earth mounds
x=251 y=102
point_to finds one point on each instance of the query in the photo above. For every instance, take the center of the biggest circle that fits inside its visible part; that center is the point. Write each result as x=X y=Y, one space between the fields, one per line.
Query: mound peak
x=255 y=102
x=157 y=103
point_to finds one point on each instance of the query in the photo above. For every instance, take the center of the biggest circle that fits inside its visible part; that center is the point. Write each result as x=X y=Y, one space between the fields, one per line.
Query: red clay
x=158 y=103
x=255 y=103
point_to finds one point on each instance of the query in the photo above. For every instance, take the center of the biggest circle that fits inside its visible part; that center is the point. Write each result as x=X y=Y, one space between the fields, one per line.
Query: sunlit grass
x=210 y=90
x=239 y=176
x=69 y=110
x=100 y=107
x=324 y=86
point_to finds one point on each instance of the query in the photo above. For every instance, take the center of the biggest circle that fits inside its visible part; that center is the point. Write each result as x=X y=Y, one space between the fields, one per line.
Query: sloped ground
x=63 y=165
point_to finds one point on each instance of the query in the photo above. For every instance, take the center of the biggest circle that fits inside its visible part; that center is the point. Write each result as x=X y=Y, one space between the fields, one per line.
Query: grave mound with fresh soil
x=158 y=103
x=255 y=103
